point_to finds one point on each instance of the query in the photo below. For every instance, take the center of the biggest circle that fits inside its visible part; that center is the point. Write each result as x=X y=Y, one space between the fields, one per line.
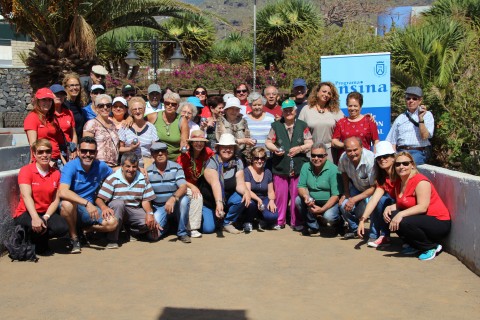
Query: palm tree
x=234 y=49
x=65 y=31
x=468 y=10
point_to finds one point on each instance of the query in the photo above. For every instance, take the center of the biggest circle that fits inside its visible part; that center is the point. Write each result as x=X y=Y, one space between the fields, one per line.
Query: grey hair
x=172 y=96
x=254 y=96
x=191 y=106
x=101 y=97
x=319 y=145
x=130 y=157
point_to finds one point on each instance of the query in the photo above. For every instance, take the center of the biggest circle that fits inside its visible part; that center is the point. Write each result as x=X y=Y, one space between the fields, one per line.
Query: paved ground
x=271 y=275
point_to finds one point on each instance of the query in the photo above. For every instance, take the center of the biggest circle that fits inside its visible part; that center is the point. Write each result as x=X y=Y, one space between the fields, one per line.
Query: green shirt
x=170 y=135
x=323 y=186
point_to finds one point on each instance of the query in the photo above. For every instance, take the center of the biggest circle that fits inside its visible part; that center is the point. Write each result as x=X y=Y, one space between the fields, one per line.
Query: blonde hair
x=136 y=100
x=409 y=156
x=81 y=98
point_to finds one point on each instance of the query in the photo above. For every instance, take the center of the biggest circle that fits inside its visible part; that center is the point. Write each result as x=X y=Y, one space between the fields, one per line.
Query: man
x=356 y=165
x=154 y=98
x=170 y=187
x=79 y=182
x=128 y=91
x=299 y=90
x=97 y=76
x=89 y=109
x=318 y=191
x=128 y=195
x=412 y=130
x=272 y=106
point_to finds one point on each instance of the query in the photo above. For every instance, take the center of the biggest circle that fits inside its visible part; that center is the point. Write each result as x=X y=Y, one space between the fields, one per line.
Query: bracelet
x=86 y=203
x=150 y=213
x=46 y=215
x=271 y=199
x=219 y=201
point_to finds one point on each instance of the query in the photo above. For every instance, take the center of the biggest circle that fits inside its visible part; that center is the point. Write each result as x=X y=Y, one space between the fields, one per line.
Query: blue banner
x=368 y=74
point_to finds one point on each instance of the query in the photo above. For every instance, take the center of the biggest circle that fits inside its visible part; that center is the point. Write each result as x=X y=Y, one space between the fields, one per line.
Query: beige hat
x=226 y=139
x=197 y=135
x=98 y=69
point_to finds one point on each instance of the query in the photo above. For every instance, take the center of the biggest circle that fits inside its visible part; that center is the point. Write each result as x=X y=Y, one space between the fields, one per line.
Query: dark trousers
x=423 y=232
x=56 y=227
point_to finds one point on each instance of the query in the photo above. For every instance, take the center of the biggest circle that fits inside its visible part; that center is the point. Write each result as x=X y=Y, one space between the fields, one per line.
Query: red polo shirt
x=47 y=131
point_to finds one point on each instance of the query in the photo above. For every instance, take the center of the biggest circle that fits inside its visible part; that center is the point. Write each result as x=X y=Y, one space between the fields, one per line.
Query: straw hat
x=197 y=135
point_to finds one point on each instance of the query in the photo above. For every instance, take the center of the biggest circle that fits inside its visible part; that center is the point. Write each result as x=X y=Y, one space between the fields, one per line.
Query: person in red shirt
x=419 y=216
x=272 y=106
x=193 y=164
x=37 y=210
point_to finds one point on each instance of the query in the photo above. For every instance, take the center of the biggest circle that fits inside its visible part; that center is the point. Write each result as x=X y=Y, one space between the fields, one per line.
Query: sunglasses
x=173 y=104
x=385 y=156
x=74 y=85
x=132 y=94
x=411 y=98
x=200 y=92
x=45 y=151
x=402 y=163
x=99 y=75
x=259 y=158
x=242 y=91
x=103 y=105
x=318 y=155
x=88 y=151
x=98 y=92
x=118 y=106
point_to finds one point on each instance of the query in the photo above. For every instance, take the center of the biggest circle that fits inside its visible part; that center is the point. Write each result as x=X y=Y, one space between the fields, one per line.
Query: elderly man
x=154 y=98
x=170 y=187
x=97 y=76
x=318 y=191
x=271 y=105
x=412 y=129
x=358 y=175
x=128 y=195
x=79 y=182
x=299 y=90
x=89 y=109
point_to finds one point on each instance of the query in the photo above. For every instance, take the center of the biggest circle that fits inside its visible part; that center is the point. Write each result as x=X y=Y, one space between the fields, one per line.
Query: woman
x=75 y=101
x=241 y=92
x=234 y=123
x=216 y=105
x=355 y=125
x=41 y=123
x=223 y=187
x=189 y=112
x=419 y=215
x=37 y=210
x=201 y=93
x=259 y=182
x=172 y=128
x=259 y=122
x=322 y=113
x=119 y=115
x=383 y=196
x=140 y=136
x=193 y=164
x=289 y=140
x=104 y=131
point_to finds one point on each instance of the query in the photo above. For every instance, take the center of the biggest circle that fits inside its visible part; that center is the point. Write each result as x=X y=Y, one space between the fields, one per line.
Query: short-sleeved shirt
x=404 y=133
x=227 y=172
x=365 y=129
x=107 y=141
x=193 y=169
x=259 y=129
x=146 y=137
x=45 y=130
x=149 y=109
x=85 y=184
x=363 y=175
x=275 y=111
x=44 y=189
x=89 y=113
x=132 y=193
x=322 y=186
x=389 y=187
x=66 y=122
x=164 y=185
x=260 y=188
x=321 y=124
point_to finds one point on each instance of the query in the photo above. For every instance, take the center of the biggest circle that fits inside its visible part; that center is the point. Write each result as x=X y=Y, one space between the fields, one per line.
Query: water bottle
x=292 y=167
x=184 y=149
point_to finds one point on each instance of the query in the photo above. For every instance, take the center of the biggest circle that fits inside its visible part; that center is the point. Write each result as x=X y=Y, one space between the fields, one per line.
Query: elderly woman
x=259 y=182
x=259 y=122
x=356 y=124
x=189 y=112
x=172 y=128
x=289 y=140
x=75 y=101
x=140 y=136
x=104 y=131
x=322 y=113
x=193 y=164
x=37 y=210
x=234 y=123
x=216 y=105
x=41 y=123
x=223 y=187
x=419 y=215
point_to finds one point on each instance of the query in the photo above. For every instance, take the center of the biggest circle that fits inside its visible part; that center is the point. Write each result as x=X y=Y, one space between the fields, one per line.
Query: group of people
x=232 y=164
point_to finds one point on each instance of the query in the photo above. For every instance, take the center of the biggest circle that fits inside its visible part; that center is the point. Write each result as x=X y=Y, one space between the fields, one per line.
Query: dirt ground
x=269 y=275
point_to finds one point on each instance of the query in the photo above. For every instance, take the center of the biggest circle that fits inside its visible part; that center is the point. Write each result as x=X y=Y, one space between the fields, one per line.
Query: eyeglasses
x=129 y=94
x=187 y=113
x=402 y=163
x=259 y=158
x=271 y=94
x=103 y=105
x=411 y=98
x=200 y=93
x=242 y=91
x=44 y=151
x=88 y=151
x=98 y=92
x=74 y=85
x=173 y=104
x=318 y=155
x=385 y=156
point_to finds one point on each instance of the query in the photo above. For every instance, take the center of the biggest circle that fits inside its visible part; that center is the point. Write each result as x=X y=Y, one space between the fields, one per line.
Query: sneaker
x=278 y=227
x=380 y=241
x=350 y=235
x=231 y=229
x=430 y=254
x=307 y=232
x=76 y=248
x=247 y=227
x=408 y=250
x=83 y=240
x=112 y=245
x=184 y=239
x=195 y=234
x=297 y=228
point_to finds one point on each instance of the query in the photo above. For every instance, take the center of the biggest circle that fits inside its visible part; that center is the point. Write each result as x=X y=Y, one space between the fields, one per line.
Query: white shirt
x=362 y=176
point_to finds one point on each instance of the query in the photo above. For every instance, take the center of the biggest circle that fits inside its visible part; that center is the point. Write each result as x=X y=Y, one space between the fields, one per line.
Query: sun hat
x=154 y=88
x=383 y=148
x=56 y=88
x=232 y=103
x=416 y=91
x=195 y=101
x=227 y=96
x=299 y=82
x=157 y=146
x=120 y=99
x=98 y=69
x=288 y=104
x=197 y=135
x=226 y=139
x=44 y=93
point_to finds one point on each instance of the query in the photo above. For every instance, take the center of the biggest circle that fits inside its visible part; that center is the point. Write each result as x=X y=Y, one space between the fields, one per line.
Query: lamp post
x=176 y=59
x=254 y=45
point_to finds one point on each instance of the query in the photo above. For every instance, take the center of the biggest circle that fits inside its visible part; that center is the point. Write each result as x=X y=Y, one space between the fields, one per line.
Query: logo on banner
x=380 y=68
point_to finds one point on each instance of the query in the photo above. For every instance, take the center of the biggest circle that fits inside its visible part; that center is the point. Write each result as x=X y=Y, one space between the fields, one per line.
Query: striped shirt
x=164 y=185
x=259 y=129
x=146 y=137
x=116 y=187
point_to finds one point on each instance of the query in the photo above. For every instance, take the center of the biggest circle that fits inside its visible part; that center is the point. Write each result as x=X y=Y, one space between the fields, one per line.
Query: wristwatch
x=362 y=219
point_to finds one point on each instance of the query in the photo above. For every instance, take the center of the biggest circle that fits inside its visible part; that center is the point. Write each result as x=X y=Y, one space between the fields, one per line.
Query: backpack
x=19 y=246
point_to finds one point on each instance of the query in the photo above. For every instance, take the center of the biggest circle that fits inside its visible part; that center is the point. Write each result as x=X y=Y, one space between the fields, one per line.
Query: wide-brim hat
x=226 y=139
x=383 y=148
x=197 y=135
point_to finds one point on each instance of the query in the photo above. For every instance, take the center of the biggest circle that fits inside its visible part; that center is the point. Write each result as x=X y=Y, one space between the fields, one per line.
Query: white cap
x=120 y=99
x=227 y=96
x=382 y=148
x=232 y=102
x=96 y=87
x=226 y=139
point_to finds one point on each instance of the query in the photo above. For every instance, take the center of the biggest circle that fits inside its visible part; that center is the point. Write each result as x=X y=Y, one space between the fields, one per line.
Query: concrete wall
x=461 y=194
x=9 y=196
x=12 y=158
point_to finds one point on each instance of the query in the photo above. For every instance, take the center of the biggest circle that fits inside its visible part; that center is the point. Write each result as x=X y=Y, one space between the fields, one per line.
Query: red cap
x=44 y=93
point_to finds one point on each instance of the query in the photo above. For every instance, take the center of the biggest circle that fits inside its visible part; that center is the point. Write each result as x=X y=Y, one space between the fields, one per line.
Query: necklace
x=321 y=110
x=167 y=124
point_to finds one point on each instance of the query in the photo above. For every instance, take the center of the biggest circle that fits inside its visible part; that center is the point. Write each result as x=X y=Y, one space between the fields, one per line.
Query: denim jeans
x=266 y=215
x=233 y=208
x=352 y=217
x=419 y=156
x=180 y=212
x=331 y=215
x=84 y=219
x=378 y=226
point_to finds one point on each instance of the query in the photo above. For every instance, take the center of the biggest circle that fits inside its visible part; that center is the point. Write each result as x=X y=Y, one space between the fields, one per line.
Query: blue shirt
x=88 y=111
x=85 y=184
x=164 y=185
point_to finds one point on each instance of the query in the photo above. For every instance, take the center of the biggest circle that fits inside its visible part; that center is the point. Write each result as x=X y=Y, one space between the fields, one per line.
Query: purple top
x=259 y=187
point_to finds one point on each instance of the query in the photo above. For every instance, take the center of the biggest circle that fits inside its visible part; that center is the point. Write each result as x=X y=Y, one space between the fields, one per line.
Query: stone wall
x=19 y=48
x=15 y=91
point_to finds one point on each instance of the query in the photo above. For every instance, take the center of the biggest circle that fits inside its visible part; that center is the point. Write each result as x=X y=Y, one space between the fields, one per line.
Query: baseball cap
x=44 y=93
x=154 y=88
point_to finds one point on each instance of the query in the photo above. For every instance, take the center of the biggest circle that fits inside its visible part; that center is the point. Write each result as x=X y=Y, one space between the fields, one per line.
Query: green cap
x=289 y=103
